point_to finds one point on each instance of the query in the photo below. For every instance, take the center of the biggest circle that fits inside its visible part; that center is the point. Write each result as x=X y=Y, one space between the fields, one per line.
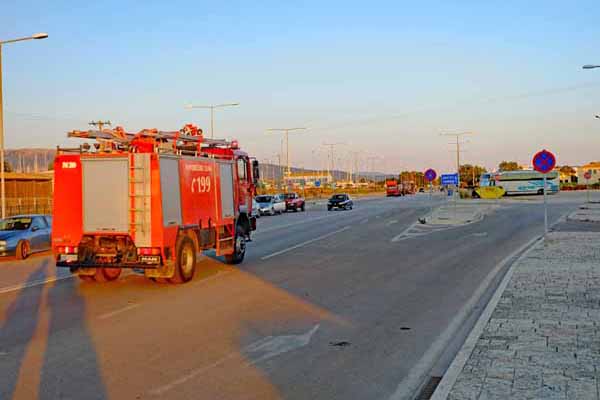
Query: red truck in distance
x=294 y=202
x=392 y=188
x=150 y=201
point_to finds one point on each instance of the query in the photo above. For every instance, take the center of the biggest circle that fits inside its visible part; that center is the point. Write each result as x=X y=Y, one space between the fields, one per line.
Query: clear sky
x=384 y=78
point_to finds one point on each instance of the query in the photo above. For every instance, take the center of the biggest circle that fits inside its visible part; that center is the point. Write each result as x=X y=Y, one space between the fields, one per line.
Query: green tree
x=566 y=169
x=469 y=172
x=509 y=166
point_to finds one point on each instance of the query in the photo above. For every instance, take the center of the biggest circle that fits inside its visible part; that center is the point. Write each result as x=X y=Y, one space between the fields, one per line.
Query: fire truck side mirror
x=255 y=171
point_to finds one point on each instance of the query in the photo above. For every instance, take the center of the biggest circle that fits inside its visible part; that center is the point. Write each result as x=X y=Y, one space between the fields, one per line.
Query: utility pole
x=212 y=108
x=457 y=136
x=331 y=152
x=99 y=124
x=286 y=132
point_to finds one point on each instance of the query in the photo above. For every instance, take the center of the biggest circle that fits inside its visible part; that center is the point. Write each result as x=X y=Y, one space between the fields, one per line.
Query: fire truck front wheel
x=186 y=261
x=239 y=249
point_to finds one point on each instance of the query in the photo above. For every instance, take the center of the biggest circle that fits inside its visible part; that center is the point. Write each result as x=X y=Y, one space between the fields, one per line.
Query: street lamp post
x=212 y=113
x=2 y=185
x=590 y=66
x=286 y=131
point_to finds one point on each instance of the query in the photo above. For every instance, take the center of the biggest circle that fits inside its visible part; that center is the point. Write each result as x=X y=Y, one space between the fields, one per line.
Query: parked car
x=270 y=204
x=23 y=235
x=293 y=202
x=340 y=201
x=255 y=212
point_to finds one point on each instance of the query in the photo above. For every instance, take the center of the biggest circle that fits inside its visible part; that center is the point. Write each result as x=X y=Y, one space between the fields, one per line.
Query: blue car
x=23 y=235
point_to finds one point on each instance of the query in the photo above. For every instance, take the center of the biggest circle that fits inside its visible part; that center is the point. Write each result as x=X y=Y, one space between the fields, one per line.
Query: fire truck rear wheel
x=239 y=247
x=186 y=261
x=107 y=274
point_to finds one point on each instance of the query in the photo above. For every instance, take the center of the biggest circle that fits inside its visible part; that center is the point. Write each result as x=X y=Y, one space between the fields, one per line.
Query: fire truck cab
x=150 y=201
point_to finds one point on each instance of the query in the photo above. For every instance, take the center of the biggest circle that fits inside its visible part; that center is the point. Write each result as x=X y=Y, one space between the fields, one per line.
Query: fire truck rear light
x=148 y=251
x=67 y=249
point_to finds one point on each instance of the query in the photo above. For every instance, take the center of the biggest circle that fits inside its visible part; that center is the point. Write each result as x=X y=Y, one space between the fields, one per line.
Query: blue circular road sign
x=430 y=175
x=544 y=161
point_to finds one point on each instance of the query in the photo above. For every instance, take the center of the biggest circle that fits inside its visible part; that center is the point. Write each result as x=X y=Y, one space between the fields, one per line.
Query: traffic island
x=539 y=337
x=589 y=212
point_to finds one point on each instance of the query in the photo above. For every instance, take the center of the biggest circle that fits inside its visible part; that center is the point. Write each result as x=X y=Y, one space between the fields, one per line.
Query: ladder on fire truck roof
x=189 y=133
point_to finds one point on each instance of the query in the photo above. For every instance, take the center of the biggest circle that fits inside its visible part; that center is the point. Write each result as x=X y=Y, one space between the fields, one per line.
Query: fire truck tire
x=86 y=278
x=22 y=251
x=186 y=261
x=107 y=274
x=239 y=247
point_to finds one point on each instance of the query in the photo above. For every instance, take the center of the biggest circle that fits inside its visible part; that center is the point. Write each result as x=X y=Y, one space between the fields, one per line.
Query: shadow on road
x=69 y=339
x=44 y=326
x=20 y=324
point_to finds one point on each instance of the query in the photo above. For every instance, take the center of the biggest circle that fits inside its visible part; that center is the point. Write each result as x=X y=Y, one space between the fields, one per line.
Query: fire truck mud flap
x=164 y=271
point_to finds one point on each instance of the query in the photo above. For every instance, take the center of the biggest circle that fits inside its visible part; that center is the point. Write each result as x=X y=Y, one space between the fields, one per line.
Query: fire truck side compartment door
x=170 y=189
x=105 y=194
x=226 y=177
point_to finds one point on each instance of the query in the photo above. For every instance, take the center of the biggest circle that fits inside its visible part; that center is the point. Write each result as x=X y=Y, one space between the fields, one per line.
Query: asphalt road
x=325 y=306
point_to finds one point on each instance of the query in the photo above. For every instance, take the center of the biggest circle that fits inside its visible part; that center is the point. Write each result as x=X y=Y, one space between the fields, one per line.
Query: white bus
x=522 y=182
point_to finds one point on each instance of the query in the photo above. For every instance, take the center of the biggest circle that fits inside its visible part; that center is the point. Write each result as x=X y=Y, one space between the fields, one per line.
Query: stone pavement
x=542 y=340
x=589 y=212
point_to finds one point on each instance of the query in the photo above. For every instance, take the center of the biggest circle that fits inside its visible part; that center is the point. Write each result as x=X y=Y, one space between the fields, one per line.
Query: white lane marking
x=265 y=348
x=404 y=232
x=304 y=243
x=394 y=221
x=34 y=283
x=272 y=346
x=411 y=384
x=274 y=228
x=364 y=221
x=118 y=311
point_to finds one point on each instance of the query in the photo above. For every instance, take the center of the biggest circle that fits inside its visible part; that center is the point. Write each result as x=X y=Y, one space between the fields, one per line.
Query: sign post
x=544 y=162
x=430 y=176
x=587 y=176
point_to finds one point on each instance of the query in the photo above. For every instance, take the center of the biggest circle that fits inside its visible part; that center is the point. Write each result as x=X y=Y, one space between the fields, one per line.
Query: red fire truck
x=392 y=188
x=150 y=201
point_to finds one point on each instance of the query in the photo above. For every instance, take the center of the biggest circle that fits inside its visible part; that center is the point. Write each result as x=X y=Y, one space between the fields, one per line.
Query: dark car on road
x=340 y=201
x=22 y=235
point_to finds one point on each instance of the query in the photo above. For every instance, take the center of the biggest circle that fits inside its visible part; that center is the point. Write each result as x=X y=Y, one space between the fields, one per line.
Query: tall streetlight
x=457 y=136
x=331 y=149
x=590 y=66
x=2 y=190
x=286 y=132
x=212 y=113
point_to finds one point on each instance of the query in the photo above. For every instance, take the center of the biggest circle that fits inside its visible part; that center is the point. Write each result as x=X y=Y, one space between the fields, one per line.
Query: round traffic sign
x=587 y=175
x=544 y=161
x=430 y=175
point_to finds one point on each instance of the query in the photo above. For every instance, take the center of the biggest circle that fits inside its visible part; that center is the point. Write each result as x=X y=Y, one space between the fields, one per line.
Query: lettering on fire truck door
x=199 y=191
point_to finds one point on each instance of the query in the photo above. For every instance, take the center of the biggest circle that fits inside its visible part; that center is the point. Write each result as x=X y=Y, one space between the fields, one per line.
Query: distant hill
x=38 y=160
x=29 y=160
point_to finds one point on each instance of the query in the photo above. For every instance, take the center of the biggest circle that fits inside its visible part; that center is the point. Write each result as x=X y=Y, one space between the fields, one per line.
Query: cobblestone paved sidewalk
x=543 y=338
